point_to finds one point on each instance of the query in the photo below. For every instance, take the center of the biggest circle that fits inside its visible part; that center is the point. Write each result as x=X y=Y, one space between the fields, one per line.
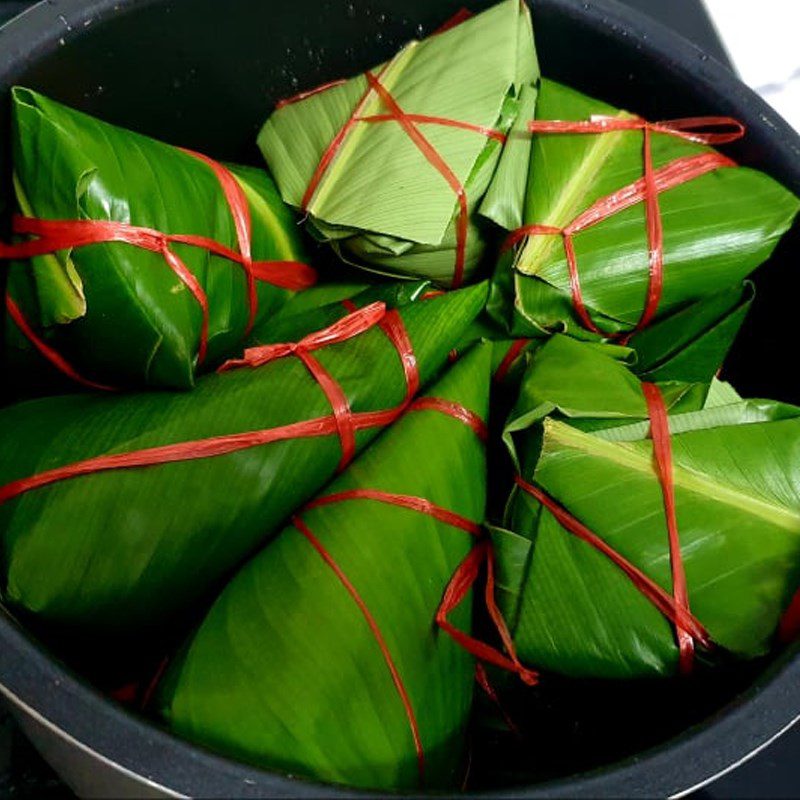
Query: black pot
x=204 y=74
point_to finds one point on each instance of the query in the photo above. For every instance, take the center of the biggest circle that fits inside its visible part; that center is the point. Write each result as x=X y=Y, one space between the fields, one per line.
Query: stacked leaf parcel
x=145 y=262
x=300 y=487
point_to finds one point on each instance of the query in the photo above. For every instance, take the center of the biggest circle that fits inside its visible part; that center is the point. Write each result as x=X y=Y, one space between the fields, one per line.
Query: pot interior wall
x=205 y=74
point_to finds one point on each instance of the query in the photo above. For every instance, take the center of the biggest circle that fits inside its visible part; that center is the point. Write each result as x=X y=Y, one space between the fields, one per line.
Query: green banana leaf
x=573 y=610
x=117 y=312
x=717 y=228
x=692 y=344
x=285 y=672
x=381 y=203
x=133 y=548
x=303 y=315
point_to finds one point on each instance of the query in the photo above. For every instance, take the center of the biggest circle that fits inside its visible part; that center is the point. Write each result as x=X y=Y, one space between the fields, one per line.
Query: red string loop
x=353 y=324
x=647 y=190
x=700 y=130
x=459 y=587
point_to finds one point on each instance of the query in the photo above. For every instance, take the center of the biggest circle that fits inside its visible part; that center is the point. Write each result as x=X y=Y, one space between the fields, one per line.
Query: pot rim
x=38 y=686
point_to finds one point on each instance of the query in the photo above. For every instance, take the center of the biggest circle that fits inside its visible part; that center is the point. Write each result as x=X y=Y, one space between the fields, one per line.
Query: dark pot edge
x=674 y=768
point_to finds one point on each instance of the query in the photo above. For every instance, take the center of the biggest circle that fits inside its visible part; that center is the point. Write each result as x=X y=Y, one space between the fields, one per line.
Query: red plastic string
x=392 y=326
x=242 y=222
x=418 y=504
x=459 y=587
x=376 y=632
x=662 y=452
x=688 y=128
x=296 y=98
x=330 y=154
x=646 y=190
x=462 y=15
x=352 y=325
x=678 y=615
x=439 y=164
x=150 y=689
x=454 y=410
x=231 y=443
x=789 y=627
x=513 y=353
x=427 y=119
x=48 y=352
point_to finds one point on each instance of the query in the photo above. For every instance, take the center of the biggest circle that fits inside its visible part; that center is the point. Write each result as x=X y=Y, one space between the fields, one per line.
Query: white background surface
x=763 y=39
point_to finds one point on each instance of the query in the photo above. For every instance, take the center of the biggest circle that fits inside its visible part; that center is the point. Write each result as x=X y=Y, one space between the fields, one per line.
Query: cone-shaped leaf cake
x=382 y=162
x=116 y=311
x=128 y=547
x=717 y=221
x=576 y=609
x=321 y=657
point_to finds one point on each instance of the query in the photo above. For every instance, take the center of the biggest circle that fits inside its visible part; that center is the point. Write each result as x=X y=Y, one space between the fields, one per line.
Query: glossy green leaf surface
x=285 y=671
x=736 y=487
x=307 y=314
x=132 y=547
x=381 y=201
x=692 y=344
x=118 y=313
x=717 y=228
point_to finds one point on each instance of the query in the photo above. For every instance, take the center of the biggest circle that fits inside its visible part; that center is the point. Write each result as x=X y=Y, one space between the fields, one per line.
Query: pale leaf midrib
x=570 y=202
x=348 y=148
x=624 y=454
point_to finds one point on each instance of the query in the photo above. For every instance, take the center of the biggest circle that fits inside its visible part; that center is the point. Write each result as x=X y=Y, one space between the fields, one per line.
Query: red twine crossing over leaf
x=647 y=190
x=352 y=325
x=55 y=235
x=662 y=455
x=47 y=352
x=648 y=587
x=418 y=504
x=512 y=354
x=459 y=587
x=676 y=608
x=409 y=122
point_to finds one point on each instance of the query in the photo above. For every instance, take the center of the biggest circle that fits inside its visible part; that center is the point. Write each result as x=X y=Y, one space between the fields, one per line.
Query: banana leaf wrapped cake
x=143 y=261
x=628 y=225
x=652 y=525
x=390 y=167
